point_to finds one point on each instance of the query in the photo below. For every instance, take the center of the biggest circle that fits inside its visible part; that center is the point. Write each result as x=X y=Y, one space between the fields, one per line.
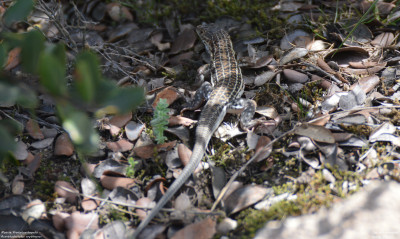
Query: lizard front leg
x=201 y=95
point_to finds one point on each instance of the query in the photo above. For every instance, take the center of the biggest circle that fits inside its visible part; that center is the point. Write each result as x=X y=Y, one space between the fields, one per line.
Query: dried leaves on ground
x=325 y=79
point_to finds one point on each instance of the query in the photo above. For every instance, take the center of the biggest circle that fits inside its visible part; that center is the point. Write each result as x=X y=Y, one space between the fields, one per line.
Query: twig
x=52 y=17
x=318 y=69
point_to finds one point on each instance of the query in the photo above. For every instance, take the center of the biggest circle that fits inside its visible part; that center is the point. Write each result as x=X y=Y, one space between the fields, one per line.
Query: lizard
x=223 y=97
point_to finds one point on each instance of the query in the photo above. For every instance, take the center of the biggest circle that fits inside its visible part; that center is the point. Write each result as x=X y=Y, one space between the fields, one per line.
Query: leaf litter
x=322 y=105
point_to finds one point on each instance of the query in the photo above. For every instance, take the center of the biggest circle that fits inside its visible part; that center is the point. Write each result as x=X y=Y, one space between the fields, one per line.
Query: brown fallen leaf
x=89 y=204
x=179 y=120
x=184 y=41
x=18 y=185
x=29 y=159
x=316 y=132
x=295 y=76
x=204 y=229
x=78 y=222
x=118 y=12
x=120 y=120
x=59 y=220
x=322 y=120
x=66 y=190
x=184 y=154
x=121 y=145
x=110 y=182
x=147 y=151
x=180 y=58
x=368 y=71
x=244 y=197
x=383 y=40
x=63 y=145
x=367 y=83
x=170 y=94
x=260 y=147
x=143 y=202
x=34 y=164
x=13 y=59
x=114 y=130
x=362 y=64
x=33 y=129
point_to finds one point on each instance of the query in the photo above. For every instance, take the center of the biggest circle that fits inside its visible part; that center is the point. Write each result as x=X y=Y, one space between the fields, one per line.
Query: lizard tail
x=197 y=155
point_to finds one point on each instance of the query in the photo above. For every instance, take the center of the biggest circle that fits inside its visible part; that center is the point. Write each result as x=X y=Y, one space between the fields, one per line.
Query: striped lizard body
x=228 y=87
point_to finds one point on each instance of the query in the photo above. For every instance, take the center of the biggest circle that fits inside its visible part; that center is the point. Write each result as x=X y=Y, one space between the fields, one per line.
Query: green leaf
x=58 y=50
x=18 y=11
x=52 y=74
x=79 y=128
x=32 y=46
x=11 y=95
x=8 y=95
x=87 y=72
x=6 y=143
x=27 y=98
x=3 y=55
x=118 y=100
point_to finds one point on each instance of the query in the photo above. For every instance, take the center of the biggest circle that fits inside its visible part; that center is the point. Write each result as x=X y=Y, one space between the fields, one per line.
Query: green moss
x=250 y=220
x=311 y=197
x=360 y=130
x=113 y=214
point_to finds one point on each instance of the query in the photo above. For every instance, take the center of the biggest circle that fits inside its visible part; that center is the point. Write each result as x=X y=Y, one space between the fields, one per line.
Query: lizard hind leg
x=246 y=108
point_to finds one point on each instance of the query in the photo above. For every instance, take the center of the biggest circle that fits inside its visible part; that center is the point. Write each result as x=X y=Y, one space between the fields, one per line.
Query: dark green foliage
x=18 y=11
x=32 y=47
x=48 y=61
x=52 y=74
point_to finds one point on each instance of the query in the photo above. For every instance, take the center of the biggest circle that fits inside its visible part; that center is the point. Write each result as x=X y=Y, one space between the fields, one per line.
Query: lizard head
x=210 y=35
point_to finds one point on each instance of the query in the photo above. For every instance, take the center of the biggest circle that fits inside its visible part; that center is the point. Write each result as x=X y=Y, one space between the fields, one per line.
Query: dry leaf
x=78 y=222
x=21 y=152
x=66 y=190
x=383 y=40
x=143 y=202
x=204 y=229
x=170 y=94
x=147 y=151
x=118 y=12
x=18 y=184
x=110 y=182
x=121 y=145
x=63 y=145
x=184 y=154
x=133 y=130
x=32 y=127
x=13 y=59
x=42 y=143
x=179 y=120
x=316 y=132
x=120 y=120
x=184 y=41
x=243 y=198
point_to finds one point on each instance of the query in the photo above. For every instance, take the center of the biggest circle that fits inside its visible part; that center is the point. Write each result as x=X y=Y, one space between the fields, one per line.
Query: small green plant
x=130 y=171
x=160 y=121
